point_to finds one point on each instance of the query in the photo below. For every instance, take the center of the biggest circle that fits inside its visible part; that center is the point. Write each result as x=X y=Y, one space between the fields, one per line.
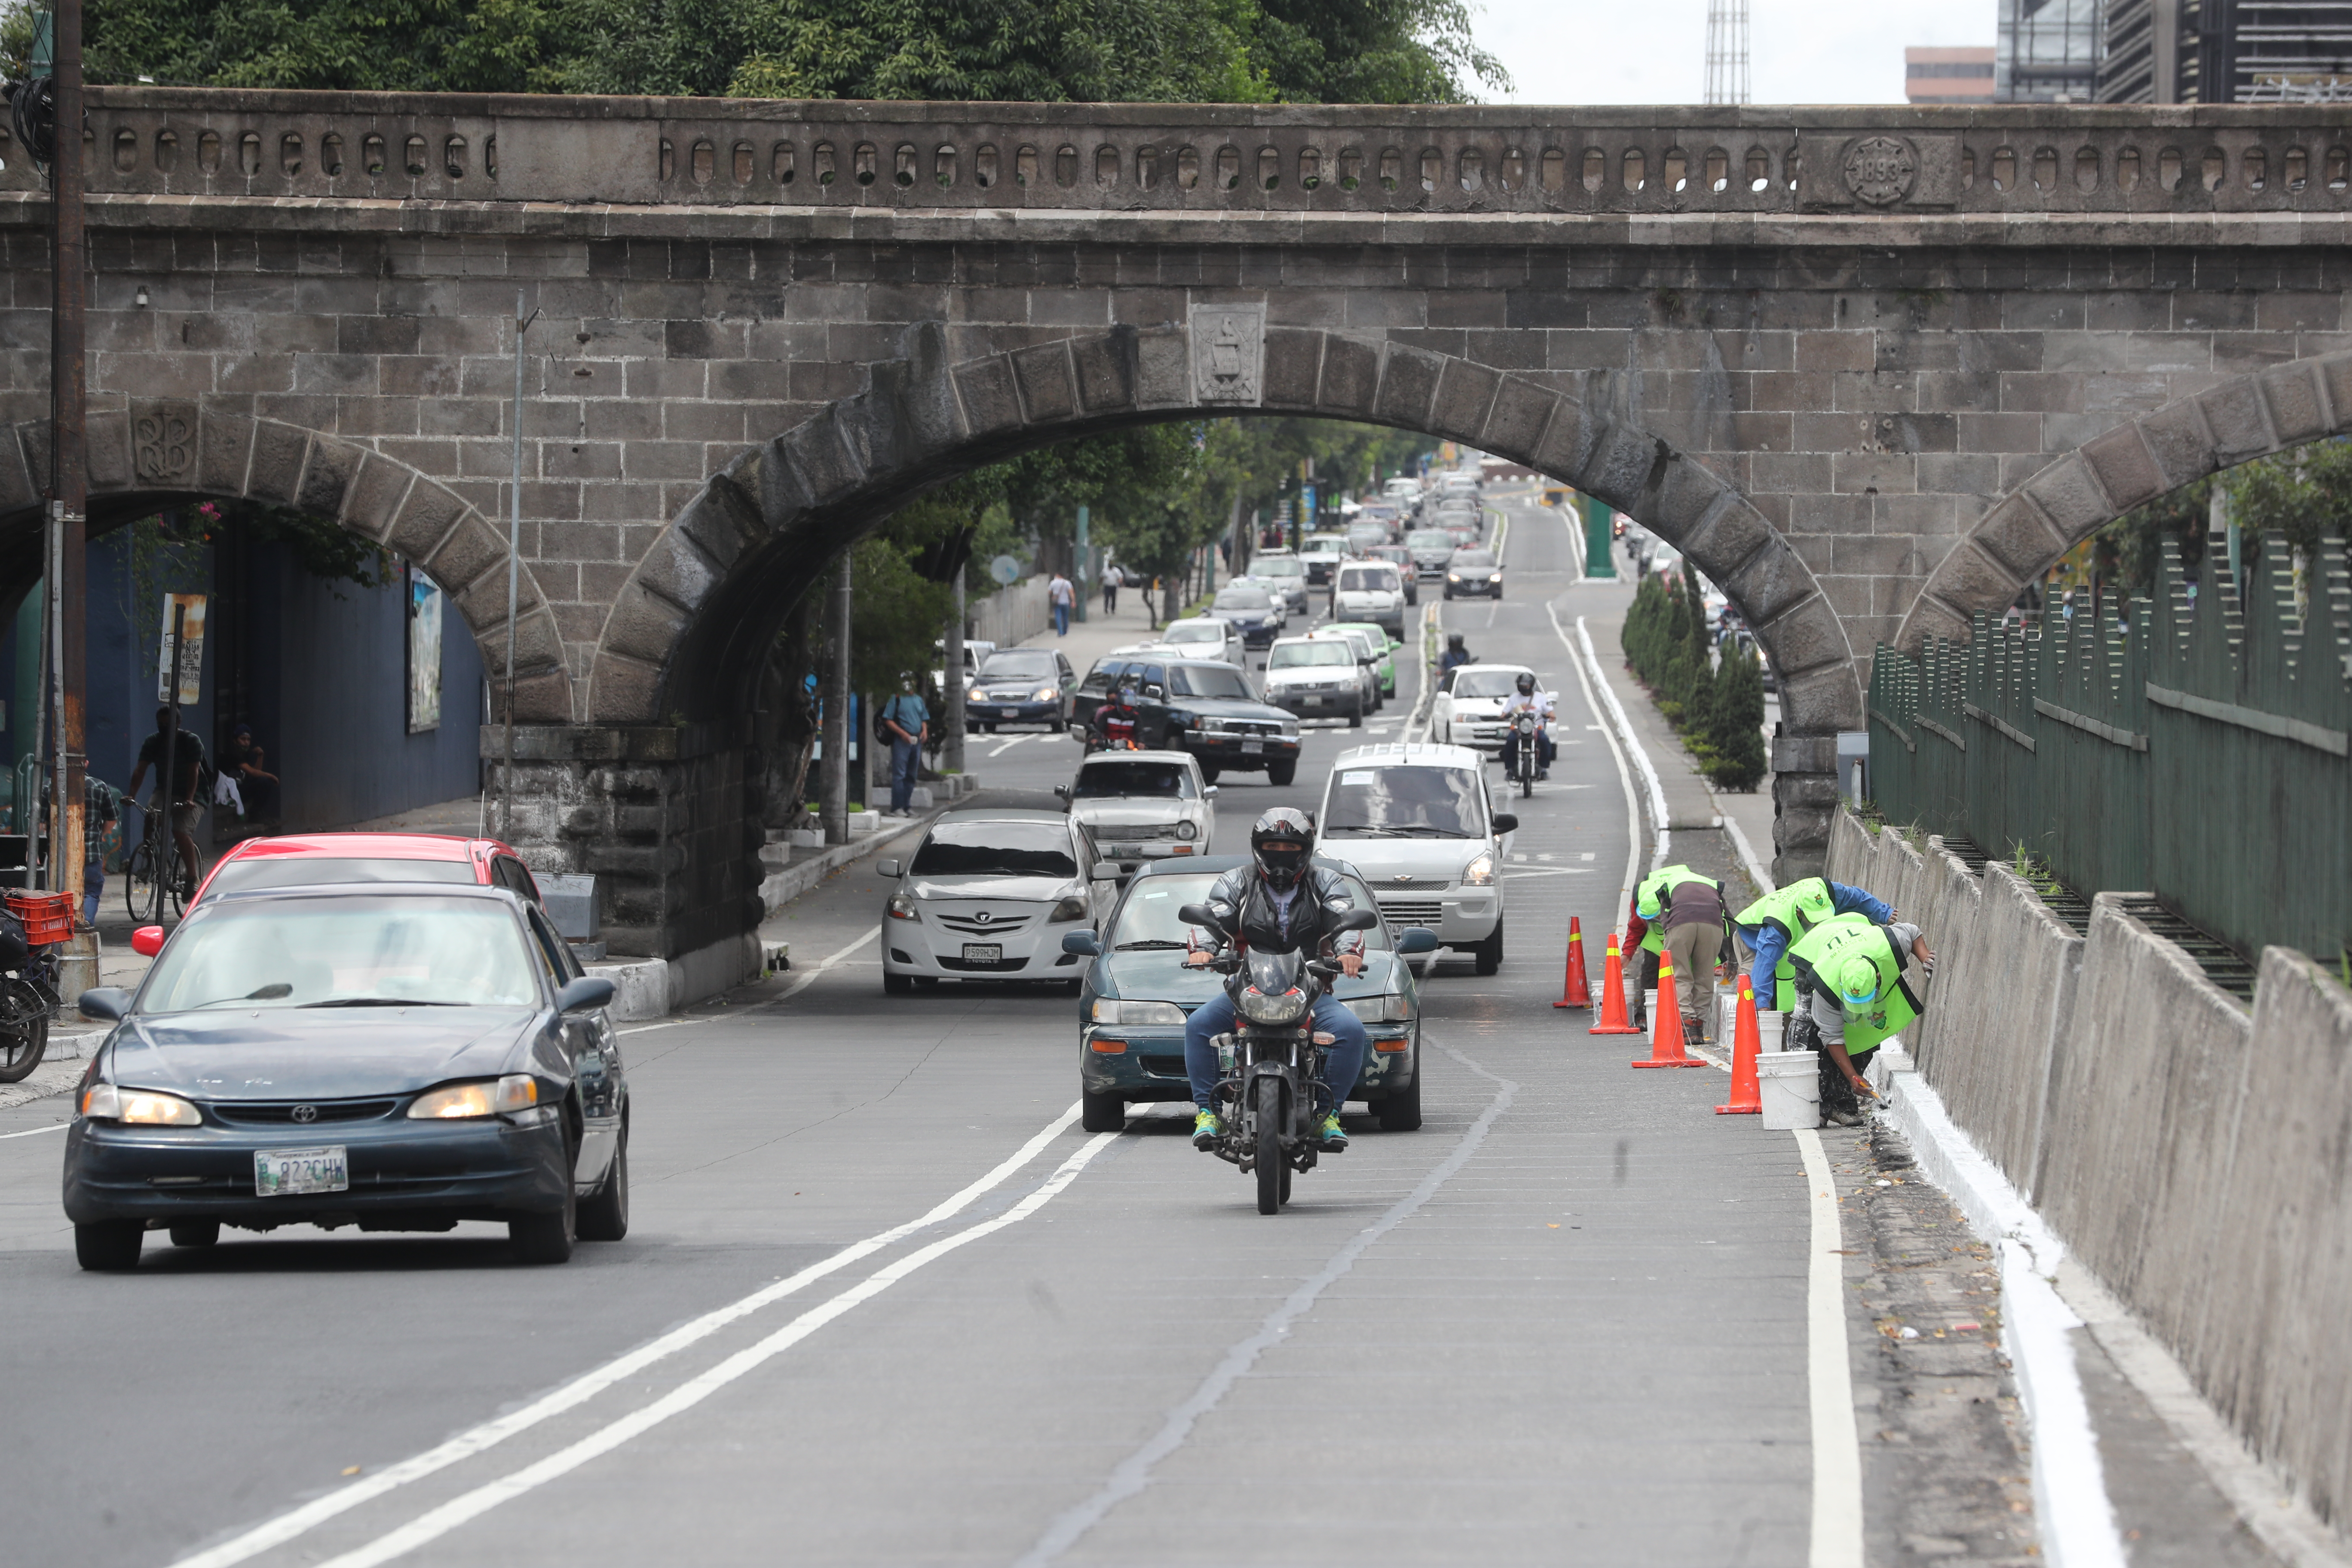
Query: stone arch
x=2248 y=417
x=157 y=452
x=725 y=571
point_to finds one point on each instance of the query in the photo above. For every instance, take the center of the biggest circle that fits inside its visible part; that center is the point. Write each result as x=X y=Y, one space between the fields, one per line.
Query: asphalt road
x=1565 y=1321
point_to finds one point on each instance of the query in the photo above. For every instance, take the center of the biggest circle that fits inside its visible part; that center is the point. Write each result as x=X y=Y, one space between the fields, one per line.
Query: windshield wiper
x=381 y=1002
x=1154 y=945
x=270 y=992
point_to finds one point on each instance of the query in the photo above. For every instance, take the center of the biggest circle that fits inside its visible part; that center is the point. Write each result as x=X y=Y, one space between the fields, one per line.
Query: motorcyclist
x=1527 y=699
x=1279 y=902
x=1457 y=654
x=1115 y=722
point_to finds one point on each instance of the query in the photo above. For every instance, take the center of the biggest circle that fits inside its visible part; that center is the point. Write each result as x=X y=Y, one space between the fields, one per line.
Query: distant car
x=1384 y=664
x=318 y=859
x=398 y=1055
x=1144 y=806
x=1467 y=710
x=1415 y=821
x=1363 y=536
x=1398 y=556
x=1136 y=994
x=1019 y=686
x=1430 y=549
x=1205 y=637
x=1199 y=706
x=1316 y=678
x=1255 y=610
x=975 y=653
x=1473 y=573
x=1371 y=646
x=1283 y=574
x=1321 y=553
x=986 y=896
x=1369 y=591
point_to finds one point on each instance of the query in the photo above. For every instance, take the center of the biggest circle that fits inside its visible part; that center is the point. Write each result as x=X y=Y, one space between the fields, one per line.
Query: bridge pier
x=1804 y=804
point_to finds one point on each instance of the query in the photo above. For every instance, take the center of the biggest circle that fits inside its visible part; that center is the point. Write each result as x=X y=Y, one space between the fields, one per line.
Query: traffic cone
x=1666 y=1044
x=1613 y=994
x=1575 y=992
x=1746 y=1097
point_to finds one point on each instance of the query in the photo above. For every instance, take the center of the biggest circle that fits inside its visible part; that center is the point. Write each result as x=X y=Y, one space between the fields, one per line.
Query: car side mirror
x=1414 y=940
x=1505 y=822
x=1085 y=943
x=147 y=940
x=886 y=868
x=106 y=1003
x=1062 y=790
x=1209 y=789
x=1106 y=870
x=584 y=994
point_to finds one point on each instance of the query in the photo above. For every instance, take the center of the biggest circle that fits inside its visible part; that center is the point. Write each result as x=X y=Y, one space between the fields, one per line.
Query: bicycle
x=153 y=880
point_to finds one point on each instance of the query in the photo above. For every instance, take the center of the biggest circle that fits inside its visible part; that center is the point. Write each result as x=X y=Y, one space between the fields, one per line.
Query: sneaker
x=1335 y=1137
x=1205 y=1130
x=1844 y=1118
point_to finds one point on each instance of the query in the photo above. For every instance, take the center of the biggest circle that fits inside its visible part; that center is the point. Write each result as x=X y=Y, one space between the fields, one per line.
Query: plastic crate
x=47 y=917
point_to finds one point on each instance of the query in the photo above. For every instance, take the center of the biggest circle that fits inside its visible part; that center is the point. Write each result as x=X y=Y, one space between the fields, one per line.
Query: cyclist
x=1527 y=699
x=186 y=810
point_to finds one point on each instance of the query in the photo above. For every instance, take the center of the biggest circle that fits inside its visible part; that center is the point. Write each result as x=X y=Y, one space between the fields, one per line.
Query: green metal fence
x=2199 y=752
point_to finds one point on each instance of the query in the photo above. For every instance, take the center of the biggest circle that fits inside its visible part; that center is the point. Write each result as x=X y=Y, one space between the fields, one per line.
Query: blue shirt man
x=905 y=719
x=1768 y=940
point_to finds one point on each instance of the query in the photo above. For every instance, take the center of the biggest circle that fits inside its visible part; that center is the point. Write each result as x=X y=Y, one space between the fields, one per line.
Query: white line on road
x=1837 y=1452
x=465 y=1445
x=1009 y=745
x=57 y=1127
x=808 y=979
x=431 y=1526
x=1134 y=1473
x=1624 y=776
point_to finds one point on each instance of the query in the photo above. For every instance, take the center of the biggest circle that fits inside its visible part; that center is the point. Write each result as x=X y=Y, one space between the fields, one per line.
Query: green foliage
x=319 y=545
x=1735 y=733
x=1719 y=711
x=2305 y=494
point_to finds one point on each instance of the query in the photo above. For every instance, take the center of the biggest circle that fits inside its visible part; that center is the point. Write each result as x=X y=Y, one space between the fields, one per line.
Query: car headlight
x=499 y=1096
x=1073 y=908
x=1045 y=694
x=1130 y=1014
x=1260 y=1008
x=137 y=1107
x=1389 y=1009
x=1479 y=873
x=902 y=907
x=1453 y=576
x=1188 y=829
x=1290 y=728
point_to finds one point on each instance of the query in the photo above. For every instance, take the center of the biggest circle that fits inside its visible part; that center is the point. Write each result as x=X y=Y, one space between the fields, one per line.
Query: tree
x=1735 y=733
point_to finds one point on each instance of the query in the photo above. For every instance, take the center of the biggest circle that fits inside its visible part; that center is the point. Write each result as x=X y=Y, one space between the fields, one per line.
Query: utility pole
x=952 y=688
x=68 y=462
x=833 y=797
x=514 y=578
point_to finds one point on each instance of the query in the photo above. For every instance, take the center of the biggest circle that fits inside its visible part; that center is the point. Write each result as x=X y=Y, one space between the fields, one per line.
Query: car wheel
x=1499 y=594
x=195 y=1232
x=898 y=985
x=1282 y=773
x=606 y=1216
x=1400 y=1111
x=1073 y=986
x=110 y=1245
x=988 y=729
x=1356 y=719
x=539 y=1238
x=1489 y=952
x=1101 y=1112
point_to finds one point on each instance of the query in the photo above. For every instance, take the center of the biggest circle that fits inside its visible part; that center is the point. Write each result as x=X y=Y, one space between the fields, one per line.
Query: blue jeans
x=1061 y=620
x=1342 y=1059
x=906 y=757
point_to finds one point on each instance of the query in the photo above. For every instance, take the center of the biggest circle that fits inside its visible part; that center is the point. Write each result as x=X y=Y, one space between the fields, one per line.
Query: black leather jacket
x=1242 y=903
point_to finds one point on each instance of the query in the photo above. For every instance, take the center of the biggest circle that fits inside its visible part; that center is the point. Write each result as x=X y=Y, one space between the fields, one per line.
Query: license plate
x=983 y=952
x=289 y=1173
x=1253 y=748
x=1007 y=712
x=1315 y=701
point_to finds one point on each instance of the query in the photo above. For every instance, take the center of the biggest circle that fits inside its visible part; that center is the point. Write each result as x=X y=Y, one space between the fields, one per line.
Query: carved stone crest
x=164 y=443
x=1228 y=352
x=1881 y=169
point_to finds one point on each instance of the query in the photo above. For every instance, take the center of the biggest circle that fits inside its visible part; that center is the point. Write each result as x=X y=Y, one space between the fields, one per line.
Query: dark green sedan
x=1136 y=994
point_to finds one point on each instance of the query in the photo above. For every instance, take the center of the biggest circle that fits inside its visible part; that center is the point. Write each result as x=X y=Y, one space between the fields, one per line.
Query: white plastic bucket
x=1727 y=1028
x=1650 y=1004
x=1790 y=1084
x=1770 y=1028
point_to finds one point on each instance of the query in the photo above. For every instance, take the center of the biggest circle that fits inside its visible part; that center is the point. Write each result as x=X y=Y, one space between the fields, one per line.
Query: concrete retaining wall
x=2196 y=1157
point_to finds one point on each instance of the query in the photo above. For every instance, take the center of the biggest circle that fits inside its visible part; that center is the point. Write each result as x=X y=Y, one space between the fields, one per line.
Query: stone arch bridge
x=1872 y=369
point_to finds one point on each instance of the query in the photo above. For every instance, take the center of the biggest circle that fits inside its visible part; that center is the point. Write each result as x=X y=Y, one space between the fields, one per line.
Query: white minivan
x=1417 y=823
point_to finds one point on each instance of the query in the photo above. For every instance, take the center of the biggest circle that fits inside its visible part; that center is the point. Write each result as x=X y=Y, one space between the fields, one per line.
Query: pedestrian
x=1850 y=980
x=1769 y=925
x=1060 y=596
x=1112 y=577
x=906 y=719
x=254 y=786
x=1676 y=910
x=179 y=796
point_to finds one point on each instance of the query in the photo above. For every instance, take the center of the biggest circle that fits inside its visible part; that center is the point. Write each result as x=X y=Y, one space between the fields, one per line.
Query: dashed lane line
x=1837 y=1450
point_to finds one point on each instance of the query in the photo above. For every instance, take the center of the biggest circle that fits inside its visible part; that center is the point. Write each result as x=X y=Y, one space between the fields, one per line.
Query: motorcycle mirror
x=147 y=940
x=1198 y=915
x=106 y=1003
x=1414 y=939
x=885 y=868
x=1357 y=919
x=1505 y=822
x=1085 y=943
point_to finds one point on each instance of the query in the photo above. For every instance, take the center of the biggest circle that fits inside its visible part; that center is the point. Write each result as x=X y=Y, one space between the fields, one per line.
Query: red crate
x=47 y=917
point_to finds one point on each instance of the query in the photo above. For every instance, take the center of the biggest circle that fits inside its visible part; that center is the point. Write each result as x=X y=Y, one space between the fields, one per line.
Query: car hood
x=1035 y=889
x=1230 y=708
x=1161 y=977
x=1380 y=859
x=329 y=1053
x=1141 y=809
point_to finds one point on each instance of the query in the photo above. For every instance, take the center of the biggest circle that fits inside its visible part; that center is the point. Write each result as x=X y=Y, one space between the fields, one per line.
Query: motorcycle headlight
x=1260 y=1008
x=1130 y=1014
x=500 y=1097
x=1073 y=908
x=1479 y=873
x=137 y=1107
x=902 y=907
x=1186 y=829
x=1389 y=1009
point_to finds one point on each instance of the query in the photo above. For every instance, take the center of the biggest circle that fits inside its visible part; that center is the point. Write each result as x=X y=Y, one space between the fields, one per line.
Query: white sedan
x=1468 y=708
x=1144 y=806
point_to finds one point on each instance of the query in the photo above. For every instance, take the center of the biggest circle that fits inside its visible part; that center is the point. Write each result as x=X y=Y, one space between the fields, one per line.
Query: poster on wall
x=425 y=606
x=192 y=661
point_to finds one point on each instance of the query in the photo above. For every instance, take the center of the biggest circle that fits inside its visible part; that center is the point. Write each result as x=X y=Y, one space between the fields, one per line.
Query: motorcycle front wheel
x=24 y=1032
x=1273 y=1174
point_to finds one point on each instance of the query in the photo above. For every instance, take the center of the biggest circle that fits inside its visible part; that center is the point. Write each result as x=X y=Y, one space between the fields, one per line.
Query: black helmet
x=1454 y=639
x=1280 y=843
x=1526 y=683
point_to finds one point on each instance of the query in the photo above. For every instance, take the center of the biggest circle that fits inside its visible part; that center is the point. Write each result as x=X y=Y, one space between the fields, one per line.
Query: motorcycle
x=1270 y=1064
x=1522 y=751
x=28 y=1000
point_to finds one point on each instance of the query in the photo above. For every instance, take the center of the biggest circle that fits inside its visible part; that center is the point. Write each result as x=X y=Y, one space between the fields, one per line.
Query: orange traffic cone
x=1666 y=1044
x=1613 y=994
x=1746 y=1097
x=1575 y=992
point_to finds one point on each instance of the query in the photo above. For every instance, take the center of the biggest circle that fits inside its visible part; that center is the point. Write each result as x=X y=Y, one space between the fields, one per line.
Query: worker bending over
x=1849 y=977
x=1769 y=925
x=1677 y=910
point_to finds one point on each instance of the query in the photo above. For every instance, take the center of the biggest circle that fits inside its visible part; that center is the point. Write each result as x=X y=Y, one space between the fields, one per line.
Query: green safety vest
x=1658 y=887
x=1822 y=951
x=1792 y=911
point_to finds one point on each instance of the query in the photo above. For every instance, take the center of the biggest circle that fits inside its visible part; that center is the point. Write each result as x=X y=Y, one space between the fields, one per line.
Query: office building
x=1947 y=76
x=2226 y=51
x=2047 y=51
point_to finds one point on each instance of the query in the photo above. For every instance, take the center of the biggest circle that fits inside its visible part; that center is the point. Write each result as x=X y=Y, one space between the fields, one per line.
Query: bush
x=1735 y=727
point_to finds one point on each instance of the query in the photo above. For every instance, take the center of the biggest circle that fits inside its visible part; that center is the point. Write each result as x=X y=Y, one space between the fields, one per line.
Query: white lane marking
x=2077 y=1521
x=30 y=1131
x=465 y=1445
x=1134 y=1473
x=1624 y=727
x=1756 y=873
x=1837 y=1450
x=1624 y=779
x=1009 y=745
x=432 y=1525
x=809 y=979
x=1575 y=540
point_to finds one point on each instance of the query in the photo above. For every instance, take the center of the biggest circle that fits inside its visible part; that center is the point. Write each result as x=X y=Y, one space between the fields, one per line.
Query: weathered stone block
x=2234 y=414
x=1806 y=638
x=821 y=460
x=425 y=518
x=2070 y=497
x=1466 y=392
x=1822 y=701
x=2126 y=471
x=1804 y=753
x=1617 y=468
x=2297 y=412
x=277 y=454
x=372 y=498
x=327 y=477
x=1682 y=492
x=678 y=572
x=2175 y=438
x=1351 y=373
x=1731 y=534
x=1408 y=379
x=106 y=433
x=991 y=402
x=1516 y=423
x=1163 y=367
x=471 y=548
x=643 y=626
x=1772 y=580
x=1043 y=375
x=1107 y=371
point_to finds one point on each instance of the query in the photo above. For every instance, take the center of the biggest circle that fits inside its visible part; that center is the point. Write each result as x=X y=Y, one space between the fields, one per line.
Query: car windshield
x=1486 y=682
x=995 y=849
x=1286 y=655
x=320 y=871
x=1280 y=566
x=1191 y=681
x=1018 y=664
x=1147 y=920
x=1368 y=579
x=360 y=951
x=1244 y=599
x=1479 y=558
x=1429 y=539
x=1115 y=781
x=1405 y=802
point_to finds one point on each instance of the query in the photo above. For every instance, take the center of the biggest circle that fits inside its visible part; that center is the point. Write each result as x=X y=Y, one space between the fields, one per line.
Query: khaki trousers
x=1693 y=948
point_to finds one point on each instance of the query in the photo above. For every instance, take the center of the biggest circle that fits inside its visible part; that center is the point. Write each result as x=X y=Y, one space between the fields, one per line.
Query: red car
x=308 y=859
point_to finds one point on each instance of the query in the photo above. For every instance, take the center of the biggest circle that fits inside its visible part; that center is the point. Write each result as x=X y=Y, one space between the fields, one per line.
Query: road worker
x=1769 y=925
x=1676 y=911
x=1850 y=980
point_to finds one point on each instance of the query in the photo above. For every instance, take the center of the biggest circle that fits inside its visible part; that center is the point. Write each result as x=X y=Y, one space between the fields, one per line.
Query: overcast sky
x=1654 y=52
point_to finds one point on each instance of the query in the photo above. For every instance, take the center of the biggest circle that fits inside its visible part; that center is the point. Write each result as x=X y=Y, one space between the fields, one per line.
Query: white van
x=1417 y=823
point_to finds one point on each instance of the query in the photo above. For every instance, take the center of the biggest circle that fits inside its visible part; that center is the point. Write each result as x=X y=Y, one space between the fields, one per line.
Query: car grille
x=280 y=1112
x=994 y=925
x=1250 y=727
x=1161 y=1066
x=1001 y=966
x=1412 y=912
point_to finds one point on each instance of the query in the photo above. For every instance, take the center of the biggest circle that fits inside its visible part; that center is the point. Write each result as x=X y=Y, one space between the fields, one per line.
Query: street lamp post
x=68 y=462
